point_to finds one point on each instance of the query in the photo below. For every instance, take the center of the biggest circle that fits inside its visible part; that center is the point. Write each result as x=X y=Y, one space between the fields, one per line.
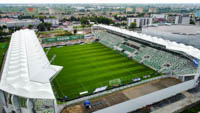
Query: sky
x=99 y=1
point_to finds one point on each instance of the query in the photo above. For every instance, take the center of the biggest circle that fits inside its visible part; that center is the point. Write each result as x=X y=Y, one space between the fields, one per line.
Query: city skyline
x=98 y=1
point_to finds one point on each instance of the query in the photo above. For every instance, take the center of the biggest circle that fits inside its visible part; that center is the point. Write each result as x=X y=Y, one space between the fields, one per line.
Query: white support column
x=3 y=98
x=30 y=105
x=55 y=106
x=16 y=103
x=183 y=79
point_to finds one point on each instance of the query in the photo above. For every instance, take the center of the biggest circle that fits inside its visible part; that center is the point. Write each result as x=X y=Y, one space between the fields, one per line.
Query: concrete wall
x=149 y=99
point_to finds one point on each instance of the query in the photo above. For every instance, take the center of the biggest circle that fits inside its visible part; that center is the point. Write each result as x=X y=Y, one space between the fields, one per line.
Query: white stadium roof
x=27 y=71
x=168 y=44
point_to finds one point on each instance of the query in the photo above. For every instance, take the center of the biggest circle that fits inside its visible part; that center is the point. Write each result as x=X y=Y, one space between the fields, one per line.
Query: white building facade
x=164 y=16
x=139 y=10
x=54 y=22
x=182 y=20
x=21 y=23
x=140 y=21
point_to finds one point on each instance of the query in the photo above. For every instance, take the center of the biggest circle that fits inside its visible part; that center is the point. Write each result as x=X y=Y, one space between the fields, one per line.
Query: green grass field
x=2 y=49
x=90 y=66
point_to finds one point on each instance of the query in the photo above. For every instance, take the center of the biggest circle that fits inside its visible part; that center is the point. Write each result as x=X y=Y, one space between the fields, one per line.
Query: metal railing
x=60 y=107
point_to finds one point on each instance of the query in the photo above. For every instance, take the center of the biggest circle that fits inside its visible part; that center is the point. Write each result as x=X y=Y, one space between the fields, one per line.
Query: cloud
x=99 y=1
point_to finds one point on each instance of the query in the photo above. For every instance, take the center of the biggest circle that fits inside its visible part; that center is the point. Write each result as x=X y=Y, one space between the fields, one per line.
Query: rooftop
x=27 y=71
x=178 y=29
x=186 y=34
x=170 y=45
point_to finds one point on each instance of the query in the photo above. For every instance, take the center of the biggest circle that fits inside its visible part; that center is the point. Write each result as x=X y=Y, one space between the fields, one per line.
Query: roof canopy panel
x=194 y=52
x=27 y=71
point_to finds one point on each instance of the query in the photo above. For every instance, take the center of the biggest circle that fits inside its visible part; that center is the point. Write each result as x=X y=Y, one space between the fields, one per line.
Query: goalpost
x=115 y=82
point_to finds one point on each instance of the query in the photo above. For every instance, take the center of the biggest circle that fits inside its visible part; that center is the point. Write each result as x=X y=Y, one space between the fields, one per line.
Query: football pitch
x=2 y=49
x=90 y=66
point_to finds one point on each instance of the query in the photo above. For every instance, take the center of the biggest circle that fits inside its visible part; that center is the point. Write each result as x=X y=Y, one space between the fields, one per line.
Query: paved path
x=179 y=105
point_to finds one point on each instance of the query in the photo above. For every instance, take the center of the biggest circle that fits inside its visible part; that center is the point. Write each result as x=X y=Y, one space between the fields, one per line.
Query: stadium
x=68 y=70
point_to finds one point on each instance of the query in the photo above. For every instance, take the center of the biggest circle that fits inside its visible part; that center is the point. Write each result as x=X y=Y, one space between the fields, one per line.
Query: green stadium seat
x=157 y=58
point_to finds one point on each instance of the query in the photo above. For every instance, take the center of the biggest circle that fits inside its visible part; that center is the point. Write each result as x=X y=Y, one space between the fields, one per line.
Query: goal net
x=115 y=82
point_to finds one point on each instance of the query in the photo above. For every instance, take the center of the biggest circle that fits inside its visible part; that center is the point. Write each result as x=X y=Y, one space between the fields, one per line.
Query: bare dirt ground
x=74 y=109
x=149 y=87
x=121 y=96
x=48 y=35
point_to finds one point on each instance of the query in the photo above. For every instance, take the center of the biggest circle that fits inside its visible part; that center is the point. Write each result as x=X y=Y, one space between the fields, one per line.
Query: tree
x=41 y=27
x=90 y=25
x=41 y=18
x=44 y=26
x=101 y=19
x=133 y=25
x=75 y=31
x=83 y=25
x=141 y=14
x=73 y=19
x=84 y=20
x=4 y=26
x=64 y=20
x=52 y=16
x=192 y=22
x=48 y=26
x=67 y=33
x=30 y=26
